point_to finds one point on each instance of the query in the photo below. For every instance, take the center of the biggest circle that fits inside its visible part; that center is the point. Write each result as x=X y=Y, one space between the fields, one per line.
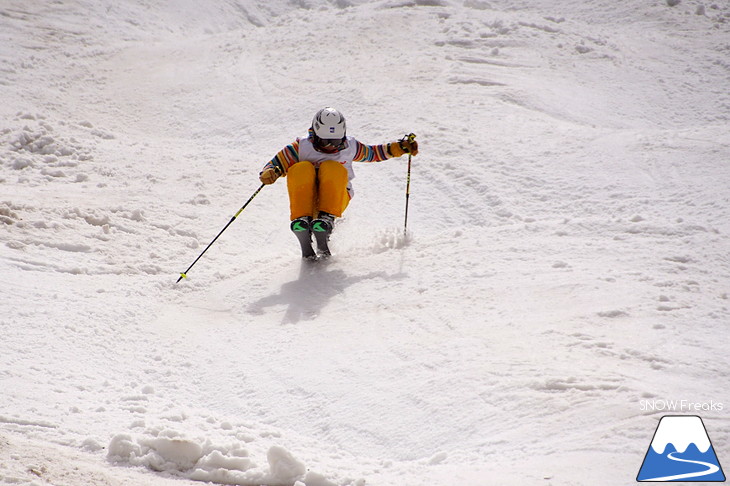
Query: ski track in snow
x=567 y=254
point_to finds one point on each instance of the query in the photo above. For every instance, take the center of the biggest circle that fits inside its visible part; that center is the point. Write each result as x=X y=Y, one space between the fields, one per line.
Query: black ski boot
x=302 y=229
x=322 y=228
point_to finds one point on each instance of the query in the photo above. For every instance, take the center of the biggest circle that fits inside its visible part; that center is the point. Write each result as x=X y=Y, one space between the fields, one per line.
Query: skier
x=319 y=170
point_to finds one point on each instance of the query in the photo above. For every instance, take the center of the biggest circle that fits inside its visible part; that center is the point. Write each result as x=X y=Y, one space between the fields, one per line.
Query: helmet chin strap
x=325 y=150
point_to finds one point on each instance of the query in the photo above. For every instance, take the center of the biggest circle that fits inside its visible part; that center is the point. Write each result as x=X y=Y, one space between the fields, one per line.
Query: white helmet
x=329 y=124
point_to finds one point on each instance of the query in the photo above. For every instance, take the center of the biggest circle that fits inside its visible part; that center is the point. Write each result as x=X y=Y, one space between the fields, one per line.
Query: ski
x=301 y=228
x=322 y=228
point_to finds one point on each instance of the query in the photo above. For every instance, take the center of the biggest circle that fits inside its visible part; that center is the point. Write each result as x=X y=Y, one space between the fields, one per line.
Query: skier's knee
x=332 y=166
x=301 y=168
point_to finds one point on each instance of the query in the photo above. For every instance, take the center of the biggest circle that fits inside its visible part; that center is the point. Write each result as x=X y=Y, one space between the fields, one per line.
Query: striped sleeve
x=371 y=153
x=287 y=157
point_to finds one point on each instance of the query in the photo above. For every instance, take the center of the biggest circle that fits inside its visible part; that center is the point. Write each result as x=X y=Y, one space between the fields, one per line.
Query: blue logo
x=680 y=451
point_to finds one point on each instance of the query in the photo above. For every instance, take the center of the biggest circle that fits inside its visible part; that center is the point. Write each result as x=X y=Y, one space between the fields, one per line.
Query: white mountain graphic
x=680 y=431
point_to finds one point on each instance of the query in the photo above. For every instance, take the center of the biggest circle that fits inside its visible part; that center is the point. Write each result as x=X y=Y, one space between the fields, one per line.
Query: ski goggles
x=331 y=143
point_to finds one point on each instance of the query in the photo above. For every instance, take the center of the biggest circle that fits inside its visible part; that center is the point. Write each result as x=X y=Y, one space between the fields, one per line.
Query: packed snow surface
x=565 y=277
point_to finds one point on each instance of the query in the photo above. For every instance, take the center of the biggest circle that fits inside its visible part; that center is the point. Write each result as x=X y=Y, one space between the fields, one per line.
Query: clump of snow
x=174 y=454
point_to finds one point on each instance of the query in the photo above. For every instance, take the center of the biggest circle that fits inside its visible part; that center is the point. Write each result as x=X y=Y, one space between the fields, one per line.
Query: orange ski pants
x=312 y=190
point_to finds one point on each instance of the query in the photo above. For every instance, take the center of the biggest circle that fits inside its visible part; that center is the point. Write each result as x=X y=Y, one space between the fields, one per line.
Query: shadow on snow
x=312 y=290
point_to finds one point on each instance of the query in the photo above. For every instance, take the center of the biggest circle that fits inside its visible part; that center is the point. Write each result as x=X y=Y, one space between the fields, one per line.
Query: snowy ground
x=568 y=260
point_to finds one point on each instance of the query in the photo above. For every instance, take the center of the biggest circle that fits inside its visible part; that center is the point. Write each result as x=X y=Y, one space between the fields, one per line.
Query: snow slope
x=567 y=259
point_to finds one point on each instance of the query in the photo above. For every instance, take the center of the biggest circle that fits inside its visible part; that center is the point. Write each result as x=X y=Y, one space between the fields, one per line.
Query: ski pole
x=410 y=138
x=184 y=274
